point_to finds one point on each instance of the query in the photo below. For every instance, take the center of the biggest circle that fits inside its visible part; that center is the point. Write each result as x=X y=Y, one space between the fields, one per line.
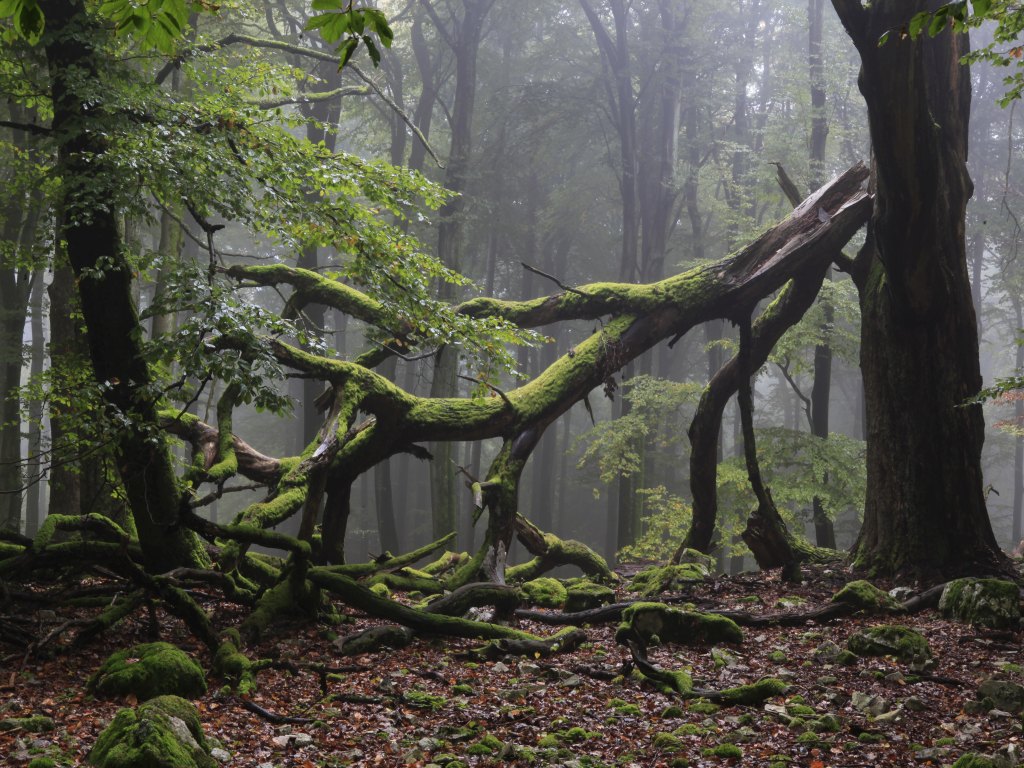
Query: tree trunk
x=95 y=252
x=34 y=495
x=925 y=510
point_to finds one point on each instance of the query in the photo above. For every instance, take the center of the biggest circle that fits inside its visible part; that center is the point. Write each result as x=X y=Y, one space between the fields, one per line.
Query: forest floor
x=429 y=703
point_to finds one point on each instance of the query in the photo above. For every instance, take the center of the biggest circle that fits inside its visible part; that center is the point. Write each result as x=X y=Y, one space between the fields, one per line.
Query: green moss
x=991 y=603
x=548 y=741
x=870 y=738
x=777 y=656
x=666 y=742
x=676 y=625
x=670 y=711
x=847 y=659
x=163 y=733
x=729 y=751
x=703 y=707
x=825 y=724
x=904 y=643
x=627 y=710
x=42 y=762
x=32 y=724
x=657 y=579
x=149 y=670
x=865 y=596
x=972 y=760
x=755 y=693
x=545 y=592
x=945 y=741
x=584 y=595
x=380 y=590
x=462 y=690
x=233 y=665
x=488 y=745
x=801 y=710
x=808 y=737
x=424 y=700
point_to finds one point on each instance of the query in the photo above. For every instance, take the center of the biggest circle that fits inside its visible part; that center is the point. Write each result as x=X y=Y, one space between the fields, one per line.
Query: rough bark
x=925 y=511
x=94 y=249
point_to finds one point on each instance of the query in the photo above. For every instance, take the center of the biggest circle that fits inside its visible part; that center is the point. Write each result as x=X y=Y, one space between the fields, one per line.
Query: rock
x=545 y=592
x=220 y=755
x=294 y=740
x=499 y=667
x=162 y=733
x=675 y=625
x=991 y=603
x=147 y=671
x=584 y=595
x=904 y=643
x=865 y=596
x=669 y=578
x=931 y=754
x=914 y=704
x=1002 y=694
x=827 y=652
x=901 y=594
x=529 y=668
x=869 y=704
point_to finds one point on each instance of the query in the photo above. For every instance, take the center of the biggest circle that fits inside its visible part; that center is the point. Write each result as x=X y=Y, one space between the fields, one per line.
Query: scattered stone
x=904 y=643
x=827 y=652
x=914 y=704
x=901 y=594
x=1001 y=694
x=296 y=740
x=529 y=668
x=499 y=667
x=869 y=704
x=220 y=755
x=991 y=603
x=147 y=671
x=932 y=754
x=865 y=596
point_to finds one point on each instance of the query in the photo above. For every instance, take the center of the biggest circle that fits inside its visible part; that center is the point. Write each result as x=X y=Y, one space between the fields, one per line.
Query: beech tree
x=925 y=508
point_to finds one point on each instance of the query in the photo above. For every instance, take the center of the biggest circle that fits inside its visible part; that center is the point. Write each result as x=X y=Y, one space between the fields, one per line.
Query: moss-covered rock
x=904 y=643
x=667 y=578
x=972 y=760
x=545 y=592
x=754 y=693
x=584 y=595
x=675 y=625
x=162 y=733
x=991 y=603
x=148 y=670
x=865 y=596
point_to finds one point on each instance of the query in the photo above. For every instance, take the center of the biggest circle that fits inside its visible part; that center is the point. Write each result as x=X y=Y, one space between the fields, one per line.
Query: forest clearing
x=467 y=382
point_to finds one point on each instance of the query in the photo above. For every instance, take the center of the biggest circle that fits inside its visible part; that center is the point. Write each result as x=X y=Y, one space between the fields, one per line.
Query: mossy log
x=551 y=552
x=356 y=595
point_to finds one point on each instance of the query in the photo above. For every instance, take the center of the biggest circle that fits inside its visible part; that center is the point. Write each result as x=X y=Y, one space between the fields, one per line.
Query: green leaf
x=981 y=7
x=917 y=23
x=883 y=39
x=347 y=49
x=939 y=21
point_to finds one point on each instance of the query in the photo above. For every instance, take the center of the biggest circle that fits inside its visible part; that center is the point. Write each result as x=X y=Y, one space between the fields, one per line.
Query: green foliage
x=961 y=16
x=665 y=523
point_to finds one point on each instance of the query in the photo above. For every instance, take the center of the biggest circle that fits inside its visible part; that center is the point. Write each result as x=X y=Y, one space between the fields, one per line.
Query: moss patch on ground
x=904 y=643
x=675 y=625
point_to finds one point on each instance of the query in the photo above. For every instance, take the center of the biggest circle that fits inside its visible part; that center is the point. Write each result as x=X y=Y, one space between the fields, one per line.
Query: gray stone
x=827 y=652
x=869 y=704
x=294 y=740
x=915 y=704
x=220 y=755
x=1003 y=695
x=933 y=754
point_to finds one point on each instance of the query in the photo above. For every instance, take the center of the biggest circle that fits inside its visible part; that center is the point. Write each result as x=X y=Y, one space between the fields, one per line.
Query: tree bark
x=89 y=228
x=925 y=510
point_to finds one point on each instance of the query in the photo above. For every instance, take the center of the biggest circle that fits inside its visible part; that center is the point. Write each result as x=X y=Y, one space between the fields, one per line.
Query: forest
x=478 y=382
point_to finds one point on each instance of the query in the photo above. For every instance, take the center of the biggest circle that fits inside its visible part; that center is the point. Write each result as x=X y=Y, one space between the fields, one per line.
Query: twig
x=491 y=387
x=553 y=279
x=273 y=717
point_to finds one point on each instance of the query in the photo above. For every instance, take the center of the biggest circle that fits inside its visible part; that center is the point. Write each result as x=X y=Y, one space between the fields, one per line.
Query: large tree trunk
x=925 y=511
x=94 y=249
